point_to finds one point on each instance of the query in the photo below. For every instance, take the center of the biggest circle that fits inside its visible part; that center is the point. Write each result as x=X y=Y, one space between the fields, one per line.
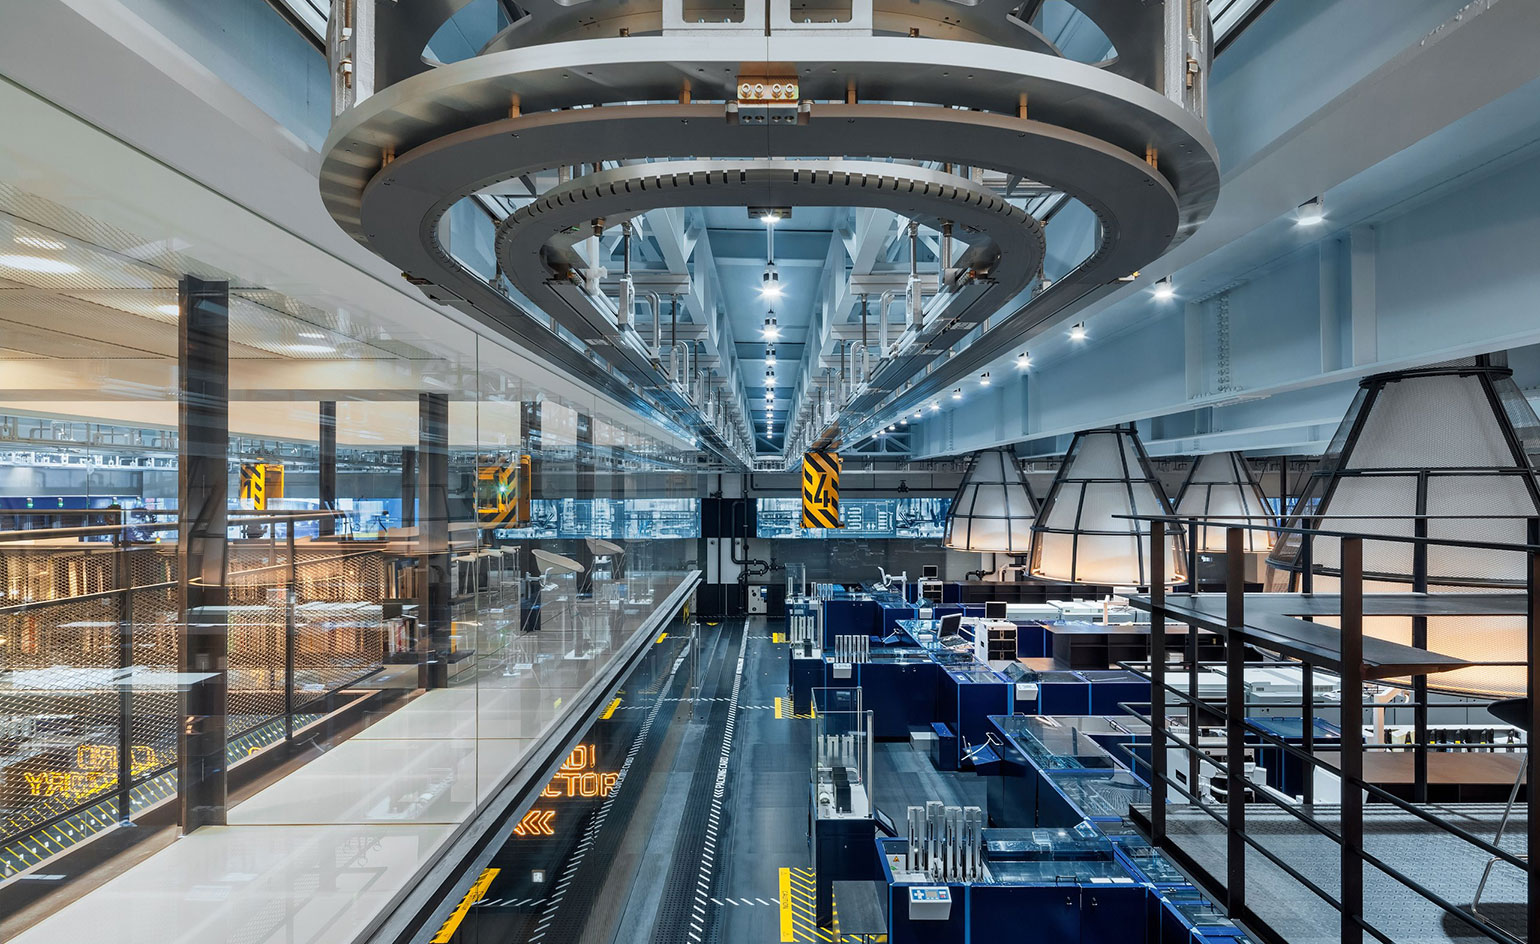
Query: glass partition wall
x=265 y=562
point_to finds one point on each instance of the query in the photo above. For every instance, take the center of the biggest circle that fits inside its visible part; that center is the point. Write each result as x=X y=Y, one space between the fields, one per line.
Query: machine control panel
x=930 y=903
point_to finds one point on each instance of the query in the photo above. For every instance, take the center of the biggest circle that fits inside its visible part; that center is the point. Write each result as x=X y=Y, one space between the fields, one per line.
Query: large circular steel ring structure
x=533 y=244
x=1125 y=137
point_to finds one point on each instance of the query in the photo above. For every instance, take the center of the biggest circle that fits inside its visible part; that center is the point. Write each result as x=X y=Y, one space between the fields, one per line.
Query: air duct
x=1446 y=440
x=1084 y=534
x=1222 y=485
x=993 y=509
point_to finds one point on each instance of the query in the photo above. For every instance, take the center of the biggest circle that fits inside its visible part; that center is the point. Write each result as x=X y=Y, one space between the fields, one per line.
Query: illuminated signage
x=578 y=776
x=96 y=770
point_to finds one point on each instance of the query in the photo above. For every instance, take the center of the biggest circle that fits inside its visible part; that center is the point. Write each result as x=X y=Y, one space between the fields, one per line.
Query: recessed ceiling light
x=918 y=414
x=1311 y=213
x=1023 y=360
x=1164 y=291
x=38 y=264
x=984 y=379
x=1077 y=333
x=935 y=407
x=956 y=393
x=38 y=242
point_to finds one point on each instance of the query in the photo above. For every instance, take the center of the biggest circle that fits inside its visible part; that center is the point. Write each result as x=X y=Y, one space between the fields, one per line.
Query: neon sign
x=577 y=777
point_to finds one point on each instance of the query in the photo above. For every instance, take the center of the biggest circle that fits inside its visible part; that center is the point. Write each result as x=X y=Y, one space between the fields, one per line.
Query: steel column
x=1352 y=863
x=1532 y=793
x=1235 y=720
x=408 y=486
x=203 y=421
x=1420 y=641
x=433 y=586
x=327 y=471
x=1157 y=682
x=1193 y=718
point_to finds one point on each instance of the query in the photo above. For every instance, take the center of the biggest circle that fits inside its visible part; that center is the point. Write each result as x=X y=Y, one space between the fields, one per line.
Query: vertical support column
x=327 y=471
x=408 y=486
x=1420 y=641
x=203 y=423
x=122 y=579
x=1352 y=864
x=433 y=585
x=1194 y=721
x=1157 y=682
x=585 y=488
x=1307 y=725
x=1532 y=671
x=1235 y=721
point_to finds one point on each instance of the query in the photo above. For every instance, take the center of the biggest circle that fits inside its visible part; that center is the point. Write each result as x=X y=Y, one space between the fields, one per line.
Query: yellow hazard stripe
x=610 y=711
x=786 y=930
x=661 y=637
x=477 y=892
x=777 y=706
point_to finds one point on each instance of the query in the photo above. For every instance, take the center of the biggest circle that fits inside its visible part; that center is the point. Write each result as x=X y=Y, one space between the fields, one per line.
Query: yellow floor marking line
x=610 y=711
x=661 y=637
x=777 y=637
x=786 y=927
x=777 y=706
x=477 y=892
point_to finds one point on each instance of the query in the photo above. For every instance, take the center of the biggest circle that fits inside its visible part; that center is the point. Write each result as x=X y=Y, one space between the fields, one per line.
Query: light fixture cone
x=1222 y=485
x=1445 y=440
x=993 y=509
x=1083 y=532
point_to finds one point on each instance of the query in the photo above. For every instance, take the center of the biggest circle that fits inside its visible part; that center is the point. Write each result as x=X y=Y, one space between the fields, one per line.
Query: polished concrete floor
x=712 y=804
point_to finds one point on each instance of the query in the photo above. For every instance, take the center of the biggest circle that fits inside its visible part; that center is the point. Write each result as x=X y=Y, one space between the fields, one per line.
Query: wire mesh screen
x=1084 y=534
x=89 y=636
x=1441 y=441
x=993 y=510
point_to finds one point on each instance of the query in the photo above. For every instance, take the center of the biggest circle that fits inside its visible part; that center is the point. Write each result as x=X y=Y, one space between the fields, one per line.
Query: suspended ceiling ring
x=1002 y=239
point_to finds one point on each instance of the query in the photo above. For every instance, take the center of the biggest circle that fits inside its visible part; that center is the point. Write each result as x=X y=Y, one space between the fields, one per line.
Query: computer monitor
x=931 y=570
x=951 y=624
x=994 y=609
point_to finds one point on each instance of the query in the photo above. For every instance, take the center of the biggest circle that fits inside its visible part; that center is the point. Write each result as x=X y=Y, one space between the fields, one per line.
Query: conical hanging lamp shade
x=1221 y=485
x=1082 y=534
x=993 y=509
x=1450 y=439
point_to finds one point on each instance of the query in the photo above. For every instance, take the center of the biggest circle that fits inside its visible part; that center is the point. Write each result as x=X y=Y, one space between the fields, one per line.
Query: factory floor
x=710 y=804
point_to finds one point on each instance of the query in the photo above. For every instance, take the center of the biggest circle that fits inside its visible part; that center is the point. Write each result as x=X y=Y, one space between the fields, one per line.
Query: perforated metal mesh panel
x=1444 y=440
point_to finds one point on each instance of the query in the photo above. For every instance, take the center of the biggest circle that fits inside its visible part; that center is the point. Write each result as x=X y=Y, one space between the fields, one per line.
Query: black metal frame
x=1351 y=667
x=1146 y=474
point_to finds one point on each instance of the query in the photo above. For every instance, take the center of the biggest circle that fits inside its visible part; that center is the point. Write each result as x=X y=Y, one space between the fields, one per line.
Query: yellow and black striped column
x=821 y=490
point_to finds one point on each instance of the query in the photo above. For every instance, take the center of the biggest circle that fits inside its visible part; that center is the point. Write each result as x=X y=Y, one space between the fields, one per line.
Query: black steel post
x=203 y=379
x=327 y=470
x=290 y=598
x=1420 y=641
x=408 y=486
x=1157 y=682
x=1193 y=719
x=1352 y=850
x=1307 y=726
x=434 y=586
x=1235 y=721
x=1532 y=793
x=125 y=607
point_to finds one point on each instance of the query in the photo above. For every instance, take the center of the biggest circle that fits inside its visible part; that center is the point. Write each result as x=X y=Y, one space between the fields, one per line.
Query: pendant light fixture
x=1446 y=440
x=1221 y=484
x=993 y=509
x=1083 y=534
